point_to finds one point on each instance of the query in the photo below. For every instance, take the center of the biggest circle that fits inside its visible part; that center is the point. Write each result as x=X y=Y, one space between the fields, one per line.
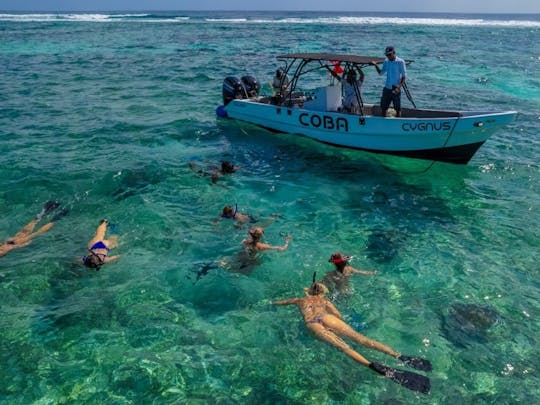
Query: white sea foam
x=231 y=20
x=351 y=20
x=403 y=21
x=88 y=17
x=53 y=17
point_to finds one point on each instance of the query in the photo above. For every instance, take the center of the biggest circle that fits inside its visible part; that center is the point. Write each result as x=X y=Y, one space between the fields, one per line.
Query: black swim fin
x=416 y=362
x=59 y=214
x=48 y=207
x=410 y=380
x=203 y=270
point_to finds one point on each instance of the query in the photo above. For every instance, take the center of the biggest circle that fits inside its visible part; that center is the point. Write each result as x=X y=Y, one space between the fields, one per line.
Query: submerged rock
x=132 y=182
x=466 y=324
x=383 y=245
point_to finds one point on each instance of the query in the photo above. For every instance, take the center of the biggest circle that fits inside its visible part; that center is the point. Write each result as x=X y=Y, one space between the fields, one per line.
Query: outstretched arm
x=287 y=301
x=265 y=246
x=355 y=271
x=111 y=258
x=377 y=68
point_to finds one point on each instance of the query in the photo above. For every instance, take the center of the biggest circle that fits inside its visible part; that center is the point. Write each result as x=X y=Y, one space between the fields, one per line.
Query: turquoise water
x=105 y=113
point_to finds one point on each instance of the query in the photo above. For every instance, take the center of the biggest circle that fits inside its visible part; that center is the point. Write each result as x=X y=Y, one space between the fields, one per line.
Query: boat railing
x=300 y=98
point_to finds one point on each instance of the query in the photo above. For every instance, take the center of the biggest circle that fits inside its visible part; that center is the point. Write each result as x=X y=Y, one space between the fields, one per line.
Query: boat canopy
x=362 y=60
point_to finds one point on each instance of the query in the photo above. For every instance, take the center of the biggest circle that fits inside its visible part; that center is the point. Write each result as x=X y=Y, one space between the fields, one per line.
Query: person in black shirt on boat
x=351 y=91
x=281 y=84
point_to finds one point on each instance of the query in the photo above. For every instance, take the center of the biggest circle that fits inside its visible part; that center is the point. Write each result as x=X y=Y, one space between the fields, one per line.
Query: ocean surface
x=106 y=112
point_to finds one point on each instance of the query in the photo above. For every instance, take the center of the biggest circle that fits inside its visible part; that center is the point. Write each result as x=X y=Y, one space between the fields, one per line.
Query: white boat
x=440 y=135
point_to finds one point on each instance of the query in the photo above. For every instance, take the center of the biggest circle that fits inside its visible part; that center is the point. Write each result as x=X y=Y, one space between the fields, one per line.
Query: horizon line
x=271 y=11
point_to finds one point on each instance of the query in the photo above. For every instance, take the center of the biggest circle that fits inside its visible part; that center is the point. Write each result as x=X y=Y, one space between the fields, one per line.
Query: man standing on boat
x=394 y=67
x=281 y=84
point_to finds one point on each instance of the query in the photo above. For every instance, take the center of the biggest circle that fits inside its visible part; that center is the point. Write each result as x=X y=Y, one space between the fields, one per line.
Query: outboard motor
x=233 y=89
x=251 y=85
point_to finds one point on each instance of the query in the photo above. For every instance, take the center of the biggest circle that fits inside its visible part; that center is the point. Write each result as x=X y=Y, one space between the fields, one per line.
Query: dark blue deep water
x=105 y=112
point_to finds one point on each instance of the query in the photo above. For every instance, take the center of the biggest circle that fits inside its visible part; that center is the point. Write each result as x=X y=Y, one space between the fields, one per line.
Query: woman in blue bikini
x=98 y=248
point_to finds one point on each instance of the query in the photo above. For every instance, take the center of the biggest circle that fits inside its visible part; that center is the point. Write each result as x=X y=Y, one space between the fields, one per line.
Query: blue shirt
x=394 y=70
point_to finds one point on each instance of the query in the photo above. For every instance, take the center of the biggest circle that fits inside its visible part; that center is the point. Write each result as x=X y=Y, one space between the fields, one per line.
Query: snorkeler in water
x=26 y=234
x=240 y=219
x=246 y=260
x=253 y=243
x=326 y=322
x=99 y=247
x=229 y=212
x=338 y=279
x=225 y=168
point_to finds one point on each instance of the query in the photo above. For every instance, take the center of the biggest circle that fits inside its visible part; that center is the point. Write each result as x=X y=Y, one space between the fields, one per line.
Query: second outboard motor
x=251 y=85
x=233 y=89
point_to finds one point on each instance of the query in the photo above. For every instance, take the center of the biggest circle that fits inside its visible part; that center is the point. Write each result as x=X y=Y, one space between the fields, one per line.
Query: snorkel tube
x=230 y=216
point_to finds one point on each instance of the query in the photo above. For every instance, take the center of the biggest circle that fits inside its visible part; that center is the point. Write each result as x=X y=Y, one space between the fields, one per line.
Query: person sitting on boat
x=326 y=322
x=351 y=91
x=338 y=279
x=98 y=248
x=396 y=73
x=281 y=84
x=26 y=234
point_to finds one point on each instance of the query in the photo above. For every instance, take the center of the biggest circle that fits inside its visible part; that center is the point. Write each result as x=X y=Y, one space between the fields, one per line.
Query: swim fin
x=48 y=207
x=59 y=214
x=203 y=270
x=410 y=380
x=416 y=362
x=113 y=229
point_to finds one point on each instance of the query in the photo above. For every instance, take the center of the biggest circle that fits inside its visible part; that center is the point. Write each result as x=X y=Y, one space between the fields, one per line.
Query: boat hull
x=446 y=136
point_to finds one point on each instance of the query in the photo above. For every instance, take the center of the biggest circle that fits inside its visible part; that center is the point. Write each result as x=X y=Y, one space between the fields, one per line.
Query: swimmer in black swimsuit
x=326 y=322
x=99 y=247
